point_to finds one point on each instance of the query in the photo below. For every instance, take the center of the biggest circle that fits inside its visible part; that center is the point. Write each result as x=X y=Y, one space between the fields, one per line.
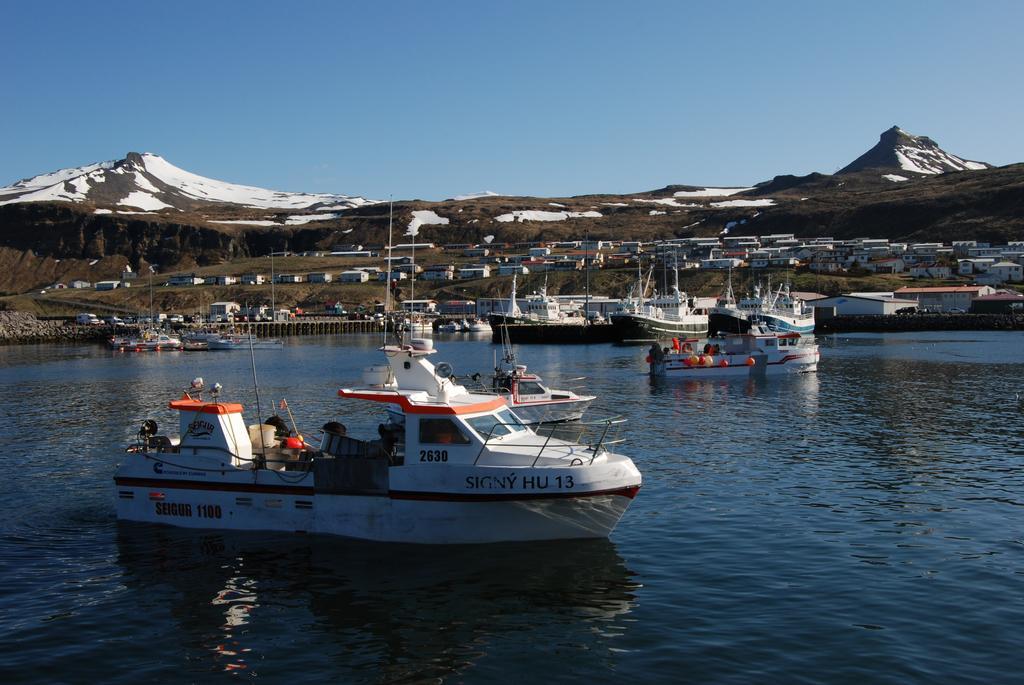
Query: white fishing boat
x=236 y=341
x=478 y=326
x=785 y=312
x=741 y=355
x=538 y=308
x=532 y=401
x=659 y=317
x=447 y=466
x=148 y=341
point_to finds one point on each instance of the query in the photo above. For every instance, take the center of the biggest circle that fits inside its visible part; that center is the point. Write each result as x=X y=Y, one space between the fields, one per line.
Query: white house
x=222 y=311
x=78 y=285
x=931 y=271
x=354 y=277
x=476 y=271
x=1007 y=272
x=721 y=263
x=185 y=279
x=423 y=306
x=439 y=273
x=510 y=269
x=969 y=267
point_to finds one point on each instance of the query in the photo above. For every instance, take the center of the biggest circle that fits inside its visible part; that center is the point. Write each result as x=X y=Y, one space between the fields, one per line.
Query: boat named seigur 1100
x=757 y=352
x=447 y=466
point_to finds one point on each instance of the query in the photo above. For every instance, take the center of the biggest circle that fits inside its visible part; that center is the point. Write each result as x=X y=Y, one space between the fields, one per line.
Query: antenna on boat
x=256 y=388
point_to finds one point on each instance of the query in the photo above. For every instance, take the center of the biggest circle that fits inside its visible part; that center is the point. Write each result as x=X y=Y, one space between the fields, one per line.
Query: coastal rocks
x=23 y=327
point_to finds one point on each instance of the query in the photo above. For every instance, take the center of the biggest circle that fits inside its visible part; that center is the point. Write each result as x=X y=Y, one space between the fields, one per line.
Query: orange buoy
x=724 y=363
x=648 y=359
x=294 y=443
x=709 y=360
x=750 y=361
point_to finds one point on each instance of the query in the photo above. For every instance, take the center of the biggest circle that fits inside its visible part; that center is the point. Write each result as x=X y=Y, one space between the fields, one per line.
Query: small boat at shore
x=148 y=341
x=758 y=352
x=446 y=466
x=243 y=342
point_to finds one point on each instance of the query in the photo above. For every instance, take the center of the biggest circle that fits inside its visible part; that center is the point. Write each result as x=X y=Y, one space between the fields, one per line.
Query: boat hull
x=720 y=322
x=634 y=327
x=787 y=324
x=411 y=517
x=558 y=411
x=737 y=366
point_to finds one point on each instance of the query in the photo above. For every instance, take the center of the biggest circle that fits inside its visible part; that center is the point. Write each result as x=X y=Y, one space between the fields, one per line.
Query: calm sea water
x=864 y=524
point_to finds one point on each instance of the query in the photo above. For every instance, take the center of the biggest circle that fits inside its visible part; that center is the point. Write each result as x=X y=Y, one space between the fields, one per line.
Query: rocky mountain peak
x=900 y=151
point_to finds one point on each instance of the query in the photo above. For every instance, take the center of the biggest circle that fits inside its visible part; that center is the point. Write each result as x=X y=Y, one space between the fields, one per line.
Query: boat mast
x=586 y=264
x=387 y=278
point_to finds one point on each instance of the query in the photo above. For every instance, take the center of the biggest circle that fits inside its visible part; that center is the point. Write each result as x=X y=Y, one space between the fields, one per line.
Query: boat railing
x=594 y=436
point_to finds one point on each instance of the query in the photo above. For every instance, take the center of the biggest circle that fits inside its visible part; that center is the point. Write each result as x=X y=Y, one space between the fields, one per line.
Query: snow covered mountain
x=150 y=183
x=901 y=151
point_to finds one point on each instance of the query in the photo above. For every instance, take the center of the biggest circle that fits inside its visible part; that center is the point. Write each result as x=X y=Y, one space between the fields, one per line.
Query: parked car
x=87 y=319
x=176 y=318
x=114 y=321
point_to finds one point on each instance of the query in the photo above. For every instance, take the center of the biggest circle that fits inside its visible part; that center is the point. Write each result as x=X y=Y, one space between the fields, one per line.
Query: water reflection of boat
x=449 y=612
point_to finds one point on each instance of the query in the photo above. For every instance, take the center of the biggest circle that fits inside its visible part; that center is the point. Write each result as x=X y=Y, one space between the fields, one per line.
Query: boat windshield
x=502 y=422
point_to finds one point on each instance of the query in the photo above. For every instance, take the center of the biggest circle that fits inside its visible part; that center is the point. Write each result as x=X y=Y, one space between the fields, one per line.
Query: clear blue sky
x=434 y=99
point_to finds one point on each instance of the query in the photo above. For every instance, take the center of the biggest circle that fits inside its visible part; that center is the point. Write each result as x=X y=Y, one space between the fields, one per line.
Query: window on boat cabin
x=441 y=432
x=530 y=388
x=502 y=422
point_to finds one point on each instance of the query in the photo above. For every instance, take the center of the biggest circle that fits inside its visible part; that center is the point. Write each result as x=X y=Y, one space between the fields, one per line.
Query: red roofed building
x=945 y=299
x=1000 y=303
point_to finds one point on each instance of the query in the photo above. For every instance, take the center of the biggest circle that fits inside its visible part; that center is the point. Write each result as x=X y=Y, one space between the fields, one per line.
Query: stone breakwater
x=921 y=322
x=23 y=327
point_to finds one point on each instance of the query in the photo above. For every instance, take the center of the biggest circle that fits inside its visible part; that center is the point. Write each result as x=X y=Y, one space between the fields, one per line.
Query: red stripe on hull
x=222 y=487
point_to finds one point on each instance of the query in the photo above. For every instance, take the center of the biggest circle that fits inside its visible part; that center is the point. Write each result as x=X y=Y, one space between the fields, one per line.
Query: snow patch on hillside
x=667 y=201
x=896 y=178
x=424 y=217
x=247 y=222
x=143 y=201
x=744 y=203
x=477 y=196
x=299 y=219
x=710 y=192
x=536 y=215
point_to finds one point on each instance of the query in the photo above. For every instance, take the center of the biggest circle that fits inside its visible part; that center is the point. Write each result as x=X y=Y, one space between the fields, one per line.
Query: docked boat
x=739 y=355
x=730 y=315
x=537 y=309
x=235 y=341
x=785 y=312
x=659 y=317
x=532 y=401
x=478 y=326
x=446 y=466
x=148 y=341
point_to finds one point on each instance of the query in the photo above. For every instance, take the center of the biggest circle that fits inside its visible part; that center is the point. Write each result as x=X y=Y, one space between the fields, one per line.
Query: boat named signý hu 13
x=446 y=466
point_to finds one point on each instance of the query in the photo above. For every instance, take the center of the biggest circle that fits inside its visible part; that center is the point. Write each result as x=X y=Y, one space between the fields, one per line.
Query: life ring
x=687 y=347
x=750 y=361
